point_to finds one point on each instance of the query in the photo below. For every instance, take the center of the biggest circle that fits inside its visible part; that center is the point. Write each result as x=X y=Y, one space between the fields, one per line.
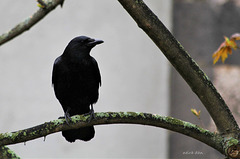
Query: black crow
x=76 y=79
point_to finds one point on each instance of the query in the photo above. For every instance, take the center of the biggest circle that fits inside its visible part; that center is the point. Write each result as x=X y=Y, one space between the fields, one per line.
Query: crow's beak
x=94 y=42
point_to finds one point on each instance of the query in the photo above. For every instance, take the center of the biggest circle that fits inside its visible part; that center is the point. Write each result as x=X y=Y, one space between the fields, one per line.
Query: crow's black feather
x=76 y=79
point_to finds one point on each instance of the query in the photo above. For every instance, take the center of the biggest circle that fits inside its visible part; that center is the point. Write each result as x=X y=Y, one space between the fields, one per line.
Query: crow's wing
x=55 y=72
x=97 y=71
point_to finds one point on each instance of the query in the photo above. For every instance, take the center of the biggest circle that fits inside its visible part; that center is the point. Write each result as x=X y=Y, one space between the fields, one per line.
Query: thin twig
x=30 y=21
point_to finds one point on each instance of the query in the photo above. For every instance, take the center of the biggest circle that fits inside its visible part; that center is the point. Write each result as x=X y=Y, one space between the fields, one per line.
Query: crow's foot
x=91 y=113
x=67 y=116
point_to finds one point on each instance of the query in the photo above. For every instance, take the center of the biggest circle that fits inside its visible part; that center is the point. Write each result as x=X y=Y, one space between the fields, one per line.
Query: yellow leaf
x=195 y=112
x=40 y=6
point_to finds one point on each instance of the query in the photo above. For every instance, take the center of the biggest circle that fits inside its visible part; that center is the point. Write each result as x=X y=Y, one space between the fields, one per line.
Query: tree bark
x=176 y=125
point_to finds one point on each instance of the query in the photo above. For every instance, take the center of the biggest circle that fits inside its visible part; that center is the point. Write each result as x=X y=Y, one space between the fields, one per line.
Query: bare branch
x=30 y=21
x=184 y=64
x=186 y=128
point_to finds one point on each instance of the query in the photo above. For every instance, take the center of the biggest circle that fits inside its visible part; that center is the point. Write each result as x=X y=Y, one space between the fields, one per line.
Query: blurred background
x=135 y=75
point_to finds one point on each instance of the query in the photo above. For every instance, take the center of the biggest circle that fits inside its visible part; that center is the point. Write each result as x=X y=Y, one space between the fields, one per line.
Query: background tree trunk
x=199 y=26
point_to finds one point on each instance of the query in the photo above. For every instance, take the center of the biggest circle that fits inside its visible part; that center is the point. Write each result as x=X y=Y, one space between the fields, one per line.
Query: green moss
x=125 y=114
x=114 y=115
x=121 y=114
x=156 y=116
x=77 y=118
x=132 y=114
x=139 y=1
x=60 y=121
x=187 y=124
x=140 y=114
x=102 y=114
x=205 y=77
x=129 y=114
x=5 y=152
x=231 y=141
x=13 y=135
x=174 y=121
x=4 y=135
x=33 y=133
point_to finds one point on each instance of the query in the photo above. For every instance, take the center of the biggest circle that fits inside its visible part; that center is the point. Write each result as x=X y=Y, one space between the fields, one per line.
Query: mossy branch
x=30 y=21
x=186 y=128
x=6 y=153
x=184 y=64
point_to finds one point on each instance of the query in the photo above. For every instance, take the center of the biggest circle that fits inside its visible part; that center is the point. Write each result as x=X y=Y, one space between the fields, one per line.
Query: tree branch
x=184 y=64
x=29 y=22
x=6 y=153
x=186 y=128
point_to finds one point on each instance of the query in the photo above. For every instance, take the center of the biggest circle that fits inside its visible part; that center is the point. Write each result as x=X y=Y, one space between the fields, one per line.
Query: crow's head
x=85 y=41
x=81 y=45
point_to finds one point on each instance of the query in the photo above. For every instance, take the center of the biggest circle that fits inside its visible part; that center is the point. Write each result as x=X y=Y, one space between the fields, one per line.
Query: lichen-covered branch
x=30 y=21
x=6 y=153
x=186 y=128
x=184 y=64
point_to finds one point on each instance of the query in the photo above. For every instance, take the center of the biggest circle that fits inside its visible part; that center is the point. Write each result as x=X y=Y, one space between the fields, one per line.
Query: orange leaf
x=216 y=57
x=230 y=43
x=226 y=48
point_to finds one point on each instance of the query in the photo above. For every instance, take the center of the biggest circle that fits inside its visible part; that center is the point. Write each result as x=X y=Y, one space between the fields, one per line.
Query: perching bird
x=76 y=79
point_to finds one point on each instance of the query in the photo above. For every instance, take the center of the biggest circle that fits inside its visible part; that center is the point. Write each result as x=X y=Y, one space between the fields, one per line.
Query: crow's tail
x=85 y=134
